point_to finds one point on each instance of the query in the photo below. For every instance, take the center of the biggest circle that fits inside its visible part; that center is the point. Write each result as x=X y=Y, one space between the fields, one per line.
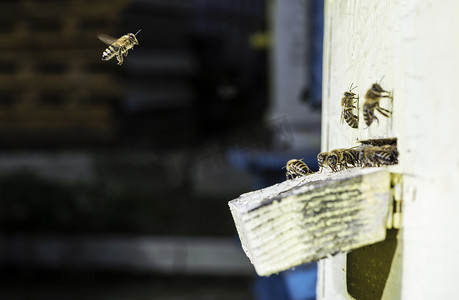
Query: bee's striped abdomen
x=387 y=157
x=351 y=157
x=368 y=113
x=296 y=168
x=348 y=106
x=379 y=156
x=351 y=119
x=300 y=168
x=109 y=53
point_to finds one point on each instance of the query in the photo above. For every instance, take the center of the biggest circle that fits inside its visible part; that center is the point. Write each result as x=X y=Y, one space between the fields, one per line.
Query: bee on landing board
x=348 y=103
x=340 y=159
x=334 y=159
x=378 y=156
x=372 y=97
x=296 y=168
x=118 y=47
x=322 y=160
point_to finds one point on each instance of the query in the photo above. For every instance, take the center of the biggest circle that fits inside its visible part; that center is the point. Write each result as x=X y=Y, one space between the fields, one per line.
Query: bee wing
x=106 y=38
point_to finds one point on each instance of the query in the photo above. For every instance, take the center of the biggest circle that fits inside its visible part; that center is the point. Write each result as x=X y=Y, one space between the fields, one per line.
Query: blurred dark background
x=114 y=180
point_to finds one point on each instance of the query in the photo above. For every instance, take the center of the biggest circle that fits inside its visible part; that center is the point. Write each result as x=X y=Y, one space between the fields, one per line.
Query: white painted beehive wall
x=414 y=46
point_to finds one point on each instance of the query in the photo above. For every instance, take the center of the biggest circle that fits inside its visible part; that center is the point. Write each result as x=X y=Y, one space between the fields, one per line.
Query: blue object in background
x=270 y=288
x=301 y=282
x=317 y=40
x=294 y=284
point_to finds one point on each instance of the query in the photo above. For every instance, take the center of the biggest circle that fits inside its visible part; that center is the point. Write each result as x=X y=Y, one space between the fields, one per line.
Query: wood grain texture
x=312 y=217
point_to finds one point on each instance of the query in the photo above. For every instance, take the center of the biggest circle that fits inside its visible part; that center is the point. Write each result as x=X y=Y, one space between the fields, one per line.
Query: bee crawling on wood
x=372 y=98
x=351 y=157
x=348 y=103
x=374 y=156
x=322 y=160
x=335 y=159
x=118 y=47
x=340 y=159
x=296 y=168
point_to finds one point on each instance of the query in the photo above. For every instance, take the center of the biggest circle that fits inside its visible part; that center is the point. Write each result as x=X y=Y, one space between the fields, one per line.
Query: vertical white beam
x=414 y=45
x=290 y=70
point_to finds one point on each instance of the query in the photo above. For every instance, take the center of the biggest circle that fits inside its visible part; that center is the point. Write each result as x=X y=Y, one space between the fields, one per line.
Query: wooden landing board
x=312 y=217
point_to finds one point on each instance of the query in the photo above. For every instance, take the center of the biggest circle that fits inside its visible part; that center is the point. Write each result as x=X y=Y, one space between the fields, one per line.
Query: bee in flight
x=296 y=168
x=118 y=47
x=374 y=94
x=348 y=103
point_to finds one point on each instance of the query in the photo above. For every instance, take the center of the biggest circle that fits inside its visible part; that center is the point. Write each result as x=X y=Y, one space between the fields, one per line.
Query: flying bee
x=118 y=47
x=348 y=103
x=296 y=168
x=378 y=156
x=372 y=97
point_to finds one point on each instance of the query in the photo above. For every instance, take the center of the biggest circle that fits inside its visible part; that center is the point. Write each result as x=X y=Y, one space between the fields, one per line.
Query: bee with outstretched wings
x=118 y=47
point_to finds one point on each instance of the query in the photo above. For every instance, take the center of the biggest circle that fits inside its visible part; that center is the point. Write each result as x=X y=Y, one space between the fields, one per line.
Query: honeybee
x=379 y=142
x=378 y=156
x=351 y=157
x=372 y=97
x=348 y=103
x=118 y=47
x=340 y=159
x=322 y=160
x=296 y=168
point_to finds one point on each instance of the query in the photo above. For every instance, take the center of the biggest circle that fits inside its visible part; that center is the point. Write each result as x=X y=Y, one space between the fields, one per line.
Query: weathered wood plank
x=312 y=217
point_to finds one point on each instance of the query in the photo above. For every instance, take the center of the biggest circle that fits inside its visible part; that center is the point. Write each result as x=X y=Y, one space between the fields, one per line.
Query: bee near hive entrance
x=349 y=102
x=370 y=153
x=372 y=99
x=296 y=168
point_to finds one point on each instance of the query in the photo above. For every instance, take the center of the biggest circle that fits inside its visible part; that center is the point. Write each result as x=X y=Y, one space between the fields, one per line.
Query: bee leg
x=368 y=115
x=372 y=117
x=388 y=95
x=383 y=111
x=123 y=50
x=379 y=108
x=119 y=57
